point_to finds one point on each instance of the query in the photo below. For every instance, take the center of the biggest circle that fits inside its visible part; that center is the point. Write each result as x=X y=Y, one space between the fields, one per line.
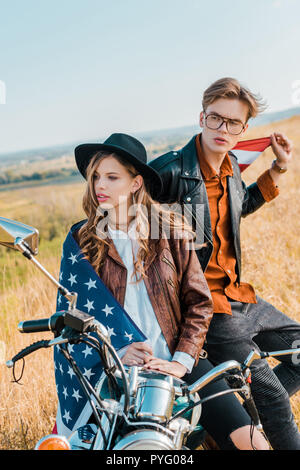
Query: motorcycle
x=132 y=408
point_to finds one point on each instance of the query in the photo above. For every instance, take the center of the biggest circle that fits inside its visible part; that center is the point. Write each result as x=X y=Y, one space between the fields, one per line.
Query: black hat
x=128 y=147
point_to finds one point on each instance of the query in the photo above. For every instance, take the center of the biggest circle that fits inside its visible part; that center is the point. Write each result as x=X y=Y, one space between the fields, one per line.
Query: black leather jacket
x=183 y=183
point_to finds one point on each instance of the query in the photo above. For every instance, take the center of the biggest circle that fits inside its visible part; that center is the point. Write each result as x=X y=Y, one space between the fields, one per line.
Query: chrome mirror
x=12 y=232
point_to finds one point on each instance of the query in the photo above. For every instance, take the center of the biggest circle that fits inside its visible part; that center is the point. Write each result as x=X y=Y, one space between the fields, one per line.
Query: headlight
x=53 y=442
x=145 y=440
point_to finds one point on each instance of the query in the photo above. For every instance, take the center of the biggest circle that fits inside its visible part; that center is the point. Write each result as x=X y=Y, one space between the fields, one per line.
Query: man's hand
x=168 y=367
x=282 y=148
x=137 y=354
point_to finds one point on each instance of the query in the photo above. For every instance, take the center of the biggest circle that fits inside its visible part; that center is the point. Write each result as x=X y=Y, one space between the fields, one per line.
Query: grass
x=271 y=254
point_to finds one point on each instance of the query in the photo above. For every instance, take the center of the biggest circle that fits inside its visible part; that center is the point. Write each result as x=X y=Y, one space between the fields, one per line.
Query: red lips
x=220 y=140
x=102 y=197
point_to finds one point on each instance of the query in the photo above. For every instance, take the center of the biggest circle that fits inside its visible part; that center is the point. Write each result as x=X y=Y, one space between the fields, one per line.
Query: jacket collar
x=207 y=170
x=189 y=162
x=112 y=252
x=190 y=167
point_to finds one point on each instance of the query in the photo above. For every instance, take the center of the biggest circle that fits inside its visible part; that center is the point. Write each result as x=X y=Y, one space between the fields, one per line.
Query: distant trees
x=10 y=176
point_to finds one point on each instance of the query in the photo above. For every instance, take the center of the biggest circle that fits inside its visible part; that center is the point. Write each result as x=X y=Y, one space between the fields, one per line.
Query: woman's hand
x=168 y=367
x=137 y=354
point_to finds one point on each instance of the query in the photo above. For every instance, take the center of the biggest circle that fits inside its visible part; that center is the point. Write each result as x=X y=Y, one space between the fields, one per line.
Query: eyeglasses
x=214 y=122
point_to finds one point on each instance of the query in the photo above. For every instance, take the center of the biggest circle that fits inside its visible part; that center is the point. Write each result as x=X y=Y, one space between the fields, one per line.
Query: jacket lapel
x=198 y=196
x=113 y=253
x=190 y=167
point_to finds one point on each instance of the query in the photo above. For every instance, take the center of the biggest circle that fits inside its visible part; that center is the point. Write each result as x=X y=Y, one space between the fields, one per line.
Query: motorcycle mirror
x=12 y=232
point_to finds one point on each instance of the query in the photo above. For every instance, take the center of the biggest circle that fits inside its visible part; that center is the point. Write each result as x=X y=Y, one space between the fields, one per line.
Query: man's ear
x=201 y=119
x=245 y=128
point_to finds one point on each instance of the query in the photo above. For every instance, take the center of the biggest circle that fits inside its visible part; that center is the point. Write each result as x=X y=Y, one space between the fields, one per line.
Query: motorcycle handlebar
x=34 y=326
x=75 y=319
x=53 y=323
x=25 y=352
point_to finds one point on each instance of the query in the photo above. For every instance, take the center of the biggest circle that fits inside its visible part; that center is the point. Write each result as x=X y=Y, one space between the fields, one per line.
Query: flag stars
x=72 y=279
x=111 y=332
x=67 y=416
x=76 y=395
x=91 y=284
x=87 y=351
x=73 y=258
x=107 y=310
x=89 y=305
x=128 y=336
x=88 y=373
x=76 y=273
x=71 y=372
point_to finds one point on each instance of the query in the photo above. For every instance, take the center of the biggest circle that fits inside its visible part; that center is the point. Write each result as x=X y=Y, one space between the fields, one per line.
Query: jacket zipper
x=173 y=285
x=162 y=287
x=203 y=230
x=169 y=263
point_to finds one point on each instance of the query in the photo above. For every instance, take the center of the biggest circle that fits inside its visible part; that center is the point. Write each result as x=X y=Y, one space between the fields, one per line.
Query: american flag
x=247 y=151
x=94 y=298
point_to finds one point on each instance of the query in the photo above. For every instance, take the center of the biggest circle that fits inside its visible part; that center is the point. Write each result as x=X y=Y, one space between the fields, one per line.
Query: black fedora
x=131 y=149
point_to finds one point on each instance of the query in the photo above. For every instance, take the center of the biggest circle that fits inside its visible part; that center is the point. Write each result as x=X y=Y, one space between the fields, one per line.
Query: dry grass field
x=271 y=256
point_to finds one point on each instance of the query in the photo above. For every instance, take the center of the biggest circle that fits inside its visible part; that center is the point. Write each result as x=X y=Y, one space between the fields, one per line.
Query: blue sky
x=78 y=70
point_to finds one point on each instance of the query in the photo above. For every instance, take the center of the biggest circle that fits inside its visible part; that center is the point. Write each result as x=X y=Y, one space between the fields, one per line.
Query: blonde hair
x=231 y=88
x=92 y=235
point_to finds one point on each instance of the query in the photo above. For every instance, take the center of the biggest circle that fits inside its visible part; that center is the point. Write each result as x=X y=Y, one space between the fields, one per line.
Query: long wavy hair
x=150 y=217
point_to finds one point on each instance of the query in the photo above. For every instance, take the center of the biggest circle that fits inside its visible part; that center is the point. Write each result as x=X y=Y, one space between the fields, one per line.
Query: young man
x=204 y=174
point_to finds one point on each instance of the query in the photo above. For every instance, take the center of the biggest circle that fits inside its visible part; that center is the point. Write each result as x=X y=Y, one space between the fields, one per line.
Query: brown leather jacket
x=177 y=289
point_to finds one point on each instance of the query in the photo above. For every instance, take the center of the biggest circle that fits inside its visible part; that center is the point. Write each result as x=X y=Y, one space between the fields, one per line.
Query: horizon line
x=139 y=133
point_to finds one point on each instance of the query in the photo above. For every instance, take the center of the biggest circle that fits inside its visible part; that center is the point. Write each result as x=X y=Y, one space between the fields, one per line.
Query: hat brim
x=152 y=179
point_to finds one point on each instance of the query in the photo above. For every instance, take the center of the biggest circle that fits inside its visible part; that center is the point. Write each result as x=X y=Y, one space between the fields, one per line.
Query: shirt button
x=188 y=199
x=186 y=173
x=228 y=270
x=175 y=153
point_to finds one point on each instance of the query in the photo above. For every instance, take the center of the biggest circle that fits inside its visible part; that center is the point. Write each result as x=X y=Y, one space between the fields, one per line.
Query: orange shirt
x=220 y=272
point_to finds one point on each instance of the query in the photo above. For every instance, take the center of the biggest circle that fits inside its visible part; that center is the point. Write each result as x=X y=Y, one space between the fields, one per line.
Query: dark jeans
x=262 y=326
x=222 y=415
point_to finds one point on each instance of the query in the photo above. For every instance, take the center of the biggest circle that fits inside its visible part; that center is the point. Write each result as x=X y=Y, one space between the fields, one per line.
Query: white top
x=137 y=303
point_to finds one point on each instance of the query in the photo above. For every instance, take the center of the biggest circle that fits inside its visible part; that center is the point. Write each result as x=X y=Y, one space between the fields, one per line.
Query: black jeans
x=262 y=326
x=222 y=415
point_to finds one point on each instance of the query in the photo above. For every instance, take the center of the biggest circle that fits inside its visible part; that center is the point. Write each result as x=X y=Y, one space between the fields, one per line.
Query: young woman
x=142 y=252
